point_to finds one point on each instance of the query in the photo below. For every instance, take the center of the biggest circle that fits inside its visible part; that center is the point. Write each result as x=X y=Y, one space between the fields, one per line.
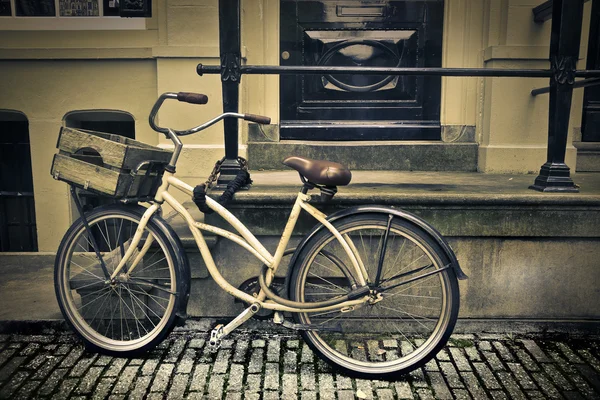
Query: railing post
x=567 y=16
x=229 y=44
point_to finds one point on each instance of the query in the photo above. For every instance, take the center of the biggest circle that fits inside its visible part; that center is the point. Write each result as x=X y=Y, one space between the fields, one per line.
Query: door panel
x=360 y=33
x=590 y=126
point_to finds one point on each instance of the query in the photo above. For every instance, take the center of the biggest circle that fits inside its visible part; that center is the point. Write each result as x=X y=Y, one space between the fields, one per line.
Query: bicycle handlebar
x=259 y=119
x=196 y=98
x=193 y=98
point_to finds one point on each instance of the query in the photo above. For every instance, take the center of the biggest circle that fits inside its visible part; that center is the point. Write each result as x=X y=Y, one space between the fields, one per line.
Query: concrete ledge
x=457 y=204
x=532 y=258
x=403 y=156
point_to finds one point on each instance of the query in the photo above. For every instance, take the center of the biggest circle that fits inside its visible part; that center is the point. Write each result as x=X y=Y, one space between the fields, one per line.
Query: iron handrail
x=578 y=84
x=317 y=70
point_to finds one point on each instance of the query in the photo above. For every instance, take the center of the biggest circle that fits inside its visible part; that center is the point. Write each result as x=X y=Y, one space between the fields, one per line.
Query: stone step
x=402 y=156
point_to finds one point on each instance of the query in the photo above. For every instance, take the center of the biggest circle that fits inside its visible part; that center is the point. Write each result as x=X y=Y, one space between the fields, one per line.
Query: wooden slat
x=72 y=140
x=116 y=151
x=71 y=170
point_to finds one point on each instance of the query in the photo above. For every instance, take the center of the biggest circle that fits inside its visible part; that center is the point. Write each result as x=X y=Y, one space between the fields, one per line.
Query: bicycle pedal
x=214 y=343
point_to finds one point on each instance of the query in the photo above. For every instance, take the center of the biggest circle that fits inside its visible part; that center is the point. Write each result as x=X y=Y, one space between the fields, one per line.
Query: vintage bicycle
x=373 y=290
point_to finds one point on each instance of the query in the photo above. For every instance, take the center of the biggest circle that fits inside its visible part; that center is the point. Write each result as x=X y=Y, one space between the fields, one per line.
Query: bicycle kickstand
x=220 y=331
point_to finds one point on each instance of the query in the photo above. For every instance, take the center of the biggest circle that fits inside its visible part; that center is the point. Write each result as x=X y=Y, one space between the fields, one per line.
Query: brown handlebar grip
x=259 y=119
x=193 y=98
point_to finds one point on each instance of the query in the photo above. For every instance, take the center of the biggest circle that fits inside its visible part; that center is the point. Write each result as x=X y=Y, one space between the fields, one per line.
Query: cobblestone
x=439 y=386
x=271 y=376
x=256 y=361
x=307 y=377
x=215 y=386
x=199 y=377
x=125 y=379
x=273 y=350
x=461 y=362
x=403 y=390
x=254 y=365
x=236 y=378
x=253 y=383
x=326 y=388
x=290 y=386
x=162 y=377
x=222 y=362
x=241 y=348
x=178 y=386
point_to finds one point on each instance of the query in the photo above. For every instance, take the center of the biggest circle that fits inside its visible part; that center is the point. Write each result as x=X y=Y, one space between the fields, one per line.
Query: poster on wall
x=111 y=8
x=135 y=8
x=78 y=8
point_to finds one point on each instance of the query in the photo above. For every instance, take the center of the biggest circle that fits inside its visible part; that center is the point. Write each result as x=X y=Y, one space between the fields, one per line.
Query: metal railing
x=564 y=50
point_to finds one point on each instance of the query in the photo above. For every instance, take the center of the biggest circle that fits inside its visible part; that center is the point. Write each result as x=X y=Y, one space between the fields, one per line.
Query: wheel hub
x=375 y=298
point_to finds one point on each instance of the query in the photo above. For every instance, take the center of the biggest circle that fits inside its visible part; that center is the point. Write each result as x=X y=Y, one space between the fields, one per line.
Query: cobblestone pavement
x=255 y=365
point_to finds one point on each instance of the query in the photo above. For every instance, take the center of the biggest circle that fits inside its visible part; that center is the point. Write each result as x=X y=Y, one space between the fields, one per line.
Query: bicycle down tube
x=246 y=240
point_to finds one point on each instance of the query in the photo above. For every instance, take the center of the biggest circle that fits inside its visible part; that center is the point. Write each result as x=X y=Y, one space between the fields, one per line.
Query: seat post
x=306 y=184
x=306 y=187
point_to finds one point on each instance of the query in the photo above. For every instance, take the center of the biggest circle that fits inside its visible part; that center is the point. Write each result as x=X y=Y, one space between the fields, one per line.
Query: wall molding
x=542 y=53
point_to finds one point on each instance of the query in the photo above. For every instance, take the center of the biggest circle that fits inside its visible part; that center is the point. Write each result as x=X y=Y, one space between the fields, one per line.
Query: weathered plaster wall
x=47 y=90
x=513 y=125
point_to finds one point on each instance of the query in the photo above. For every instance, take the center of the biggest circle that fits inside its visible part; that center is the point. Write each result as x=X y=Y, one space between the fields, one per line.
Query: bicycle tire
x=130 y=315
x=365 y=348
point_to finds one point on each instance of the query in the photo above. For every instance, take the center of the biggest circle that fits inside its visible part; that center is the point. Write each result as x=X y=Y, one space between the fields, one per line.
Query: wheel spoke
x=408 y=316
x=114 y=316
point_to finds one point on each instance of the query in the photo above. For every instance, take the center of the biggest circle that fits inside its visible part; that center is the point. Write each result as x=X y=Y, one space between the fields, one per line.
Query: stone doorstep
x=406 y=156
x=456 y=203
x=588 y=156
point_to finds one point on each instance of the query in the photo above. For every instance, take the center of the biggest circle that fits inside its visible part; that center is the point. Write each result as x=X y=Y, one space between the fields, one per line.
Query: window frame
x=57 y=22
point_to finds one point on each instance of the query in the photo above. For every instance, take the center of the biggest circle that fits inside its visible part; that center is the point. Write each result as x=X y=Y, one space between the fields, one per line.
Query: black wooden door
x=17 y=210
x=590 y=126
x=361 y=33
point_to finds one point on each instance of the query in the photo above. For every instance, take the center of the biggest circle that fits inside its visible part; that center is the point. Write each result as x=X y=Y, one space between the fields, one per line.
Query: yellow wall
x=47 y=90
x=46 y=74
x=512 y=125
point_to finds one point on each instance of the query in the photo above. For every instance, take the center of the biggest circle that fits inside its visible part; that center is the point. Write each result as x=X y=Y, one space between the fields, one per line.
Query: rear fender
x=439 y=239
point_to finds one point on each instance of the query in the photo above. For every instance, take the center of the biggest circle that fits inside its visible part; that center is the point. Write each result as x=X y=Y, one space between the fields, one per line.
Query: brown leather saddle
x=319 y=171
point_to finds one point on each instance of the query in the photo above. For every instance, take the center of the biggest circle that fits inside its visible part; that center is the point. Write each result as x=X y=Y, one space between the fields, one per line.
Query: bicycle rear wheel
x=132 y=313
x=398 y=331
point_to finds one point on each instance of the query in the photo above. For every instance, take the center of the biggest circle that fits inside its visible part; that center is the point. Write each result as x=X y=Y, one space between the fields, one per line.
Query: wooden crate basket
x=103 y=163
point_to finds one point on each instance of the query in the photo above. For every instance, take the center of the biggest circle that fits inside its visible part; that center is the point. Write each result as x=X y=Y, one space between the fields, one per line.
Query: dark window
x=17 y=206
x=5 y=9
x=116 y=122
x=35 y=8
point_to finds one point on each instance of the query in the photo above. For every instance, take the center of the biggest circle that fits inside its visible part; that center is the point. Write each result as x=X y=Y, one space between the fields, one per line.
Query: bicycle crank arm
x=220 y=331
x=279 y=320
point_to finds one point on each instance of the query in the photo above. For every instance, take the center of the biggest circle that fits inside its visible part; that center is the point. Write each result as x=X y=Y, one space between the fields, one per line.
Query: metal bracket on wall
x=230 y=68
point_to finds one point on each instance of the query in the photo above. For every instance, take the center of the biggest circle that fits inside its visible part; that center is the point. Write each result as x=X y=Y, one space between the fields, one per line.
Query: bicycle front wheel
x=132 y=312
x=412 y=311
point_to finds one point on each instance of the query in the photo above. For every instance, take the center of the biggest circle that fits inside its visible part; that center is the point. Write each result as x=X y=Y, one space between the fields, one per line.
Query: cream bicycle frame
x=245 y=239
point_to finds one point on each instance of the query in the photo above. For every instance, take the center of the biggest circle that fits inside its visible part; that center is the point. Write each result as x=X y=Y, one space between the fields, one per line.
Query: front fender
x=181 y=260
